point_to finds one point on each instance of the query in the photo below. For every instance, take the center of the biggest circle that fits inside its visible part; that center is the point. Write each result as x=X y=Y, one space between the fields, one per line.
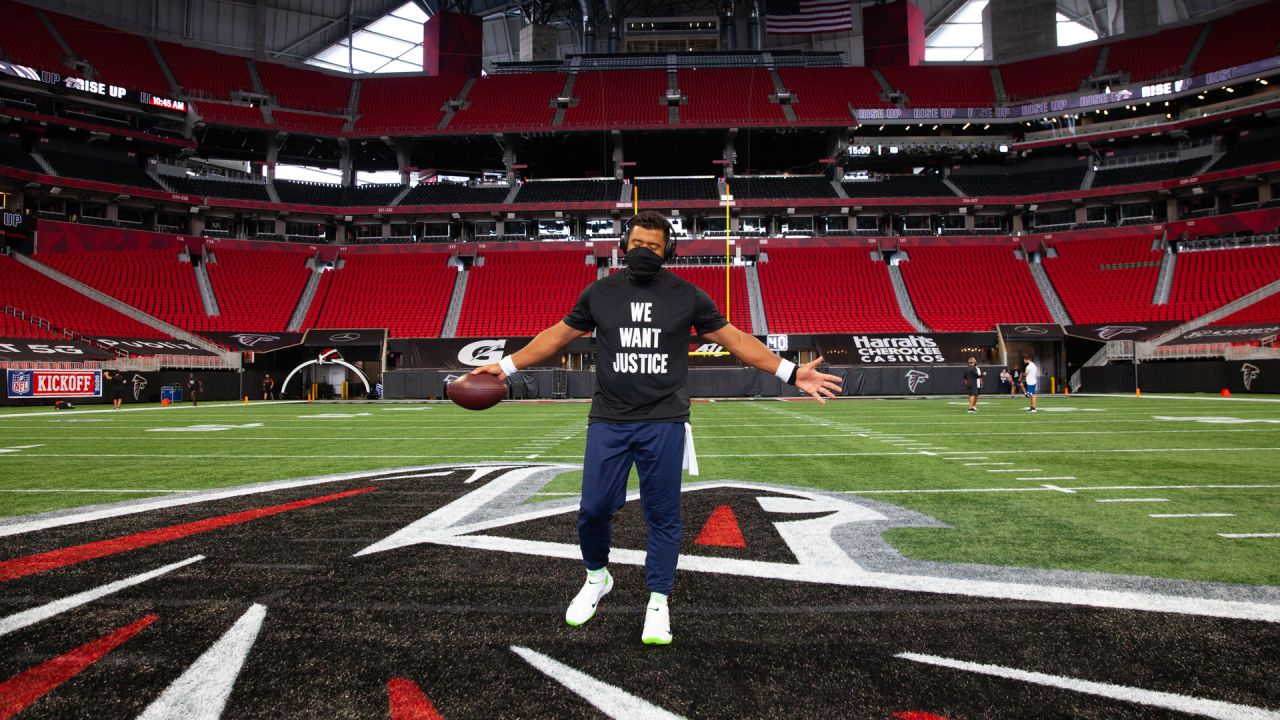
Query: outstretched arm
x=547 y=343
x=753 y=352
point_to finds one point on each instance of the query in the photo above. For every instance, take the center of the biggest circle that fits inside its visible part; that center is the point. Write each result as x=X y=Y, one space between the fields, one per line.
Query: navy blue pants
x=657 y=450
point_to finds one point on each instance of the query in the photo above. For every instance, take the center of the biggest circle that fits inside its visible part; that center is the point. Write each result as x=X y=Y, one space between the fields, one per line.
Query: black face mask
x=643 y=264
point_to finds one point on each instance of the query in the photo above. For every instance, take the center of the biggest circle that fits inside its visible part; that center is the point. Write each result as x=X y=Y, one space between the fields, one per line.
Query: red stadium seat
x=828 y=290
x=257 y=290
x=522 y=293
x=408 y=294
x=971 y=288
x=737 y=95
x=151 y=280
x=510 y=101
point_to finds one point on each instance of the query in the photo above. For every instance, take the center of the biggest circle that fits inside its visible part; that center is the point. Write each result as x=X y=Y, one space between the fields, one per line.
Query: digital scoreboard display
x=92 y=87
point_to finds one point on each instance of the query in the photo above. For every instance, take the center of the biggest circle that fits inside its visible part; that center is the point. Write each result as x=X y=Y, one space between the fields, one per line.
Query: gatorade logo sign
x=481 y=352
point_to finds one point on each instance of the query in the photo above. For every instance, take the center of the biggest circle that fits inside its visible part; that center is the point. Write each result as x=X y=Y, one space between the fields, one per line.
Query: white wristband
x=785 y=368
x=508 y=366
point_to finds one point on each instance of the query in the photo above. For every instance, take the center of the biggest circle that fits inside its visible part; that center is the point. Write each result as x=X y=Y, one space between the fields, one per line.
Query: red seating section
x=943 y=85
x=403 y=103
x=510 y=101
x=323 y=124
x=1108 y=280
x=828 y=290
x=621 y=98
x=522 y=293
x=25 y=39
x=1153 y=56
x=825 y=94
x=1209 y=279
x=38 y=295
x=408 y=294
x=305 y=89
x=711 y=279
x=154 y=281
x=1251 y=34
x=739 y=95
x=224 y=114
x=257 y=290
x=205 y=73
x=119 y=57
x=1266 y=311
x=975 y=288
x=1057 y=74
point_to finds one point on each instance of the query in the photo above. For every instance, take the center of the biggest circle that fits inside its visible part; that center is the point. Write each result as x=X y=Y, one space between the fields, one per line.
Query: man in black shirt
x=194 y=386
x=119 y=386
x=640 y=410
x=973 y=383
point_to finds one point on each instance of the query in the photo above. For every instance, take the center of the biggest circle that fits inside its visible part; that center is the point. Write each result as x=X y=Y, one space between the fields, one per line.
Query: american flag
x=794 y=17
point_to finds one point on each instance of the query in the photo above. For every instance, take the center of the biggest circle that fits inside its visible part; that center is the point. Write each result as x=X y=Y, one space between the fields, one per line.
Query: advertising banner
x=257 y=342
x=340 y=337
x=1122 y=331
x=54 y=383
x=36 y=350
x=905 y=348
x=151 y=346
x=1232 y=334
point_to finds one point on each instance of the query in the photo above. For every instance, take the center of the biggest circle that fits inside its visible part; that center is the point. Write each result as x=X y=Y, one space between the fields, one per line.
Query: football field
x=1104 y=557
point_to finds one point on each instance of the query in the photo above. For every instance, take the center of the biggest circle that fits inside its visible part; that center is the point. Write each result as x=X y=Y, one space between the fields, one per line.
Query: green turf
x=992 y=517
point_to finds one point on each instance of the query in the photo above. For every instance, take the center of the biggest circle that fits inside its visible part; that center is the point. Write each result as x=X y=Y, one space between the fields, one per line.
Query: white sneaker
x=657 y=626
x=583 y=607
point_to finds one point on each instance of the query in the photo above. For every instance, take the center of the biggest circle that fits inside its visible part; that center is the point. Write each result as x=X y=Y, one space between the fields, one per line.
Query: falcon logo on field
x=1112 y=331
x=916 y=378
x=139 y=384
x=1248 y=373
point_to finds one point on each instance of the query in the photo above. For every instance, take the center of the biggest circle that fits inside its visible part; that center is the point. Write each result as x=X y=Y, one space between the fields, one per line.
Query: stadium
x=250 y=247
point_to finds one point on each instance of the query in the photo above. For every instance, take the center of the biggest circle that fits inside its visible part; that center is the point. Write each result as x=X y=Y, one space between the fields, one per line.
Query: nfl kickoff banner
x=54 y=383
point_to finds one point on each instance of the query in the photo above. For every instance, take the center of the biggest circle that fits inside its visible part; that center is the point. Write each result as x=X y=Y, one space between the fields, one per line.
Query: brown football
x=477 y=392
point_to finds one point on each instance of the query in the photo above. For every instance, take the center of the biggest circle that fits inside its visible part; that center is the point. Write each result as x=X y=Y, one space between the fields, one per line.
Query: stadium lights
x=935 y=127
x=1168 y=116
x=1200 y=96
x=1263 y=81
x=1229 y=89
x=987 y=126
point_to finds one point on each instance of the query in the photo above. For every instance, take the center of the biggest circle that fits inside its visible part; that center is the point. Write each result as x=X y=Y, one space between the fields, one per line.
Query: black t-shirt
x=642 y=344
x=971 y=375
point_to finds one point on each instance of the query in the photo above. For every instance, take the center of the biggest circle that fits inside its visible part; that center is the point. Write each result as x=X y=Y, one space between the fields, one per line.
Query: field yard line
x=1249 y=535
x=1063 y=477
x=175 y=406
x=1128 y=500
x=979 y=463
x=1190 y=515
x=611 y=700
x=1152 y=698
x=1178 y=398
x=1015 y=470
x=17 y=621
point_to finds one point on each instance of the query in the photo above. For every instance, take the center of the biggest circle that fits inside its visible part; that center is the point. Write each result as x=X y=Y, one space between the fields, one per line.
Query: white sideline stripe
x=1062 y=477
x=608 y=699
x=973 y=457
x=981 y=463
x=90 y=490
x=1249 y=535
x=1058 y=489
x=169 y=408
x=1153 y=698
x=1015 y=470
x=1187 y=515
x=146 y=505
x=1111 y=500
x=17 y=621
x=202 y=691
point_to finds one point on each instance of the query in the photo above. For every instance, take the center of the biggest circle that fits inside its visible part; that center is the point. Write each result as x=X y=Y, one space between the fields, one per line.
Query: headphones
x=669 y=240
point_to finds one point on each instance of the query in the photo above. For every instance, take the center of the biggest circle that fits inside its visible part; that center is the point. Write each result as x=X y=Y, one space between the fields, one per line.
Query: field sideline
x=1152 y=486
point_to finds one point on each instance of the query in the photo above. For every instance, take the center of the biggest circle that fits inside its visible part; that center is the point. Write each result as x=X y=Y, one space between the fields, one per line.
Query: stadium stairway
x=208 y=298
x=905 y=306
x=1164 y=281
x=229 y=359
x=308 y=296
x=759 y=322
x=1252 y=298
x=454 y=313
x=1057 y=310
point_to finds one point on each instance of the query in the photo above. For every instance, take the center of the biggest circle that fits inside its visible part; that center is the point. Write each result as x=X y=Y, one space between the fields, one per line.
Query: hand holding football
x=477 y=392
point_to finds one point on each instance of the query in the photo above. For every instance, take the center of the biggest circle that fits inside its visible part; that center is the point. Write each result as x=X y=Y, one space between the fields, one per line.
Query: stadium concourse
x=313 y=217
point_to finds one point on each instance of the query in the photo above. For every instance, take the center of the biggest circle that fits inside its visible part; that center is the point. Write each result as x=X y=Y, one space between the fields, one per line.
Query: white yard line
x=1249 y=535
x=1190 y=515
x=1151 y=698
x=1131 y=500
